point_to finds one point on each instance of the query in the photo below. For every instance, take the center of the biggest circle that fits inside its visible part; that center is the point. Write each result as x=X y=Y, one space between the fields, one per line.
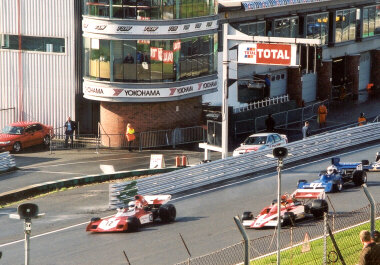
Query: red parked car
x=20 y=135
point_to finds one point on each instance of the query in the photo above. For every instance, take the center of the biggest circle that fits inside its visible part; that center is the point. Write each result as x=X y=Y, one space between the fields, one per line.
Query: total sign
x=263 y=53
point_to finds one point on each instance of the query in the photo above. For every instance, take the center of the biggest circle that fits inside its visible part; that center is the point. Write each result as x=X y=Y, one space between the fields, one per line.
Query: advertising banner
x=270 y=54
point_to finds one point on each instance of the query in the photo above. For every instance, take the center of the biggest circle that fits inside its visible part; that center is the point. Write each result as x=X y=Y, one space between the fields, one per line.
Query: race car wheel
x=338 y=187
x=17 y=147
x=318 y=208
x=167 y=213
x=46 y=140
x=365 y=162
x=133 y=224
x=289 y=219
x=247 y=216
x=359 y=177
x=95 y=219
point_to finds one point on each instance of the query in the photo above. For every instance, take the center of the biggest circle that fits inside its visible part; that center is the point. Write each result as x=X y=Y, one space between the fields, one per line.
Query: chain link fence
x=302 y=244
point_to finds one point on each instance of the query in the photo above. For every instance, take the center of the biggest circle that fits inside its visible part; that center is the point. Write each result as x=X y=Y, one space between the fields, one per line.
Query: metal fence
x=301 y=244
x=262 y=103
x=7 y=161
x=283 y=119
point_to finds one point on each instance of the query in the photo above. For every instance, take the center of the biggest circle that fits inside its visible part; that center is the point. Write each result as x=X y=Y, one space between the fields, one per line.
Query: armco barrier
x=7 y=162
x=233 y=167
x=33 y=190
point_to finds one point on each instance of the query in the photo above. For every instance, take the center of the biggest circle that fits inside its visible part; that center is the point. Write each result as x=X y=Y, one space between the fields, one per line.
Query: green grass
x=348 y=242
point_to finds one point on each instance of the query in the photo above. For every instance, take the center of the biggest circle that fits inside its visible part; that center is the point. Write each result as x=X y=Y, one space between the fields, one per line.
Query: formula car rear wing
x=309 y=194
x=157 y=199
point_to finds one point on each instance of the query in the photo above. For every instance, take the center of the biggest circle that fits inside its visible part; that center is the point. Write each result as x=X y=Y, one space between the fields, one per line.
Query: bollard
x=184 y=161
x=177 y=161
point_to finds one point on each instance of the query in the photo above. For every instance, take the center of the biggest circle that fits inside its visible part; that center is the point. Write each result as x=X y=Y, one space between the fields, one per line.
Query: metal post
x=27 y=230
x=279 y=166
x=324 y=239
x=372 y=204
x=225 y=94
x=245 y=238
x=98 y=139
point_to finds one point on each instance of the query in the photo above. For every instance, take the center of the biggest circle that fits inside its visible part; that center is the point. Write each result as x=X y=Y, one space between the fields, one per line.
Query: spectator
x=305 y=130
x=322 y=113
x=370 y=254
x=129 y=59
x=270 y=123
x=70 y=127
x=376 y=237
x=267 y=86
x=362 y=120
x=130 y=134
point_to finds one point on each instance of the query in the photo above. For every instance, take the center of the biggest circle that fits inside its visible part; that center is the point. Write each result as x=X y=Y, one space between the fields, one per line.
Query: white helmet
x=331 y=169
x=131 y=205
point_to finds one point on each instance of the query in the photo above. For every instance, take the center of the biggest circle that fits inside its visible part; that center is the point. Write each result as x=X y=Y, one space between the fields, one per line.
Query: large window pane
x=156 y=11
x=377 y=20
x=143 y=60
x=129 y=63
x=168 y=61
x=156 y=57
x=117 y=59
x=167 y=9
x=339 y=26
x=86 y=58
x=143 y=9
x=98 y=8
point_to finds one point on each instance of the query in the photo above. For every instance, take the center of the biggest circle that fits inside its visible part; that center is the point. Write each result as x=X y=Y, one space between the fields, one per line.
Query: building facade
x=148 y=63
x=345 y=63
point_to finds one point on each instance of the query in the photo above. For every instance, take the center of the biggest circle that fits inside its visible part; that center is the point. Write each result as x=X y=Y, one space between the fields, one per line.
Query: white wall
x=48 y=82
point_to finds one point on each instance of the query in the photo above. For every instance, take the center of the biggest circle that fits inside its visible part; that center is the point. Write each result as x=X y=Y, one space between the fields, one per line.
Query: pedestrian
x=270 y=123
x=70 y=127
x=321 y=117
x=376 y=237
x=267 y=86
x=362 y=120
x=306 y=130
x=370 y=254
x=130 y=134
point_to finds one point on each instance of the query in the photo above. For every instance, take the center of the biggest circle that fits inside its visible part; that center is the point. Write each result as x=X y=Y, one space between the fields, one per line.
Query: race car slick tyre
x=338 y=187
x=318 y=208
x=365 y=162
x=359 y=177
x=46 y=140
x=289 y=219
x=247 y=216
x=17 y=147
x=167 y=213
x=94 y=219
x=133 y=224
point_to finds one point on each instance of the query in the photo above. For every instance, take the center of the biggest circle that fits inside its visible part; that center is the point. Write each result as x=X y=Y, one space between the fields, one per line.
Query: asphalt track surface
x=205 y=220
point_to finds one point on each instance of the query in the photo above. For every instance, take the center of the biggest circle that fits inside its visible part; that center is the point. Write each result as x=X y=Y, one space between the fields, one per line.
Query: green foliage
x=128 y=193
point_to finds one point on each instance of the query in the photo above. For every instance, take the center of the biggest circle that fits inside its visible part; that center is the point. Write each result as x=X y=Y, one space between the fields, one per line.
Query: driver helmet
x=331 y=169
x=131 y=205
x=283 y=198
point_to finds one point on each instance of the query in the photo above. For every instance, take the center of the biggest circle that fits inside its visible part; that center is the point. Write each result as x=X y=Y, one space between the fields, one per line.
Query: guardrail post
x=372 y=204
x=325 y=239
x=245 y=238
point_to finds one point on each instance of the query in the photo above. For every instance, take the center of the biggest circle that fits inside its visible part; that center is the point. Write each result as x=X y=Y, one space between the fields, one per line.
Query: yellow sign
x=157 y=161
x=306 y=243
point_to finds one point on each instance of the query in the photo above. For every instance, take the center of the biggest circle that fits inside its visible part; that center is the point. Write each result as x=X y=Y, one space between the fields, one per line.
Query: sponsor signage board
x=261 y=4
x=104 y=91
x=270 y=54
x=105 y=27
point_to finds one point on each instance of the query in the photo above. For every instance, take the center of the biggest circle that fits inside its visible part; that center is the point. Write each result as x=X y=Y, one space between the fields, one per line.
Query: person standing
x=130 y=134
x=70 y=127
x=362 y=120
x=305 y=130
x=370 y=254
x=322 y=113
x=267 y=86
x=270 y=123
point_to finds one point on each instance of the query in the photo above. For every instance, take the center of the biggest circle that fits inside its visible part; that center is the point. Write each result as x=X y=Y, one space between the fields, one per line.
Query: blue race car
x=336 y=176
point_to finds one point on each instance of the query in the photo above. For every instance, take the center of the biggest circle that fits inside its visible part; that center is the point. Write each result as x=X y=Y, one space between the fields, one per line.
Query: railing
x=283 y=119
x=262 y=103
x=7 y=161
x=233 y=167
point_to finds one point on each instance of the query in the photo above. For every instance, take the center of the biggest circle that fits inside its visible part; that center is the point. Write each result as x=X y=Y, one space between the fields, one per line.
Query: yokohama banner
x=263 y=53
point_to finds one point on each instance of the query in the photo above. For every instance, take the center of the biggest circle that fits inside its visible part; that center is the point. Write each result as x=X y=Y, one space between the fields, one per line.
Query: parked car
x=261 y=141
x=337 y=175
x=141 y=211
x=19 y=135
x=296 y=206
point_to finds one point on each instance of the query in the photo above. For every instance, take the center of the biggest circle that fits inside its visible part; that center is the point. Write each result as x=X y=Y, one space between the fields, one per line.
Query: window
x=286 y=27
x=317 y=27
x=345 y=25
x=32 y=43
x=252 y=29
x=371 y=21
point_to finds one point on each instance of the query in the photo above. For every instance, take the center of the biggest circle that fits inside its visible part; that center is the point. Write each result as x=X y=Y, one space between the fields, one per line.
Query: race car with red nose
x=300 y=204
x=141 y=211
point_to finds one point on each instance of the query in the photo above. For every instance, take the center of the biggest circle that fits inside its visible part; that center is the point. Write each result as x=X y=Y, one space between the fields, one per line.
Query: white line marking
x=196 y=193
x=55 y=172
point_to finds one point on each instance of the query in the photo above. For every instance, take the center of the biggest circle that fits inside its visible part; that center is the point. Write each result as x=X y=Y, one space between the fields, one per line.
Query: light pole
x=225 y=93
x=280 y=153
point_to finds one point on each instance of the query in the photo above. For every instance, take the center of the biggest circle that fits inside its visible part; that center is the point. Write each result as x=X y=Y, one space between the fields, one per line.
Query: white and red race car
x=143 y=210
x=298 y=205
